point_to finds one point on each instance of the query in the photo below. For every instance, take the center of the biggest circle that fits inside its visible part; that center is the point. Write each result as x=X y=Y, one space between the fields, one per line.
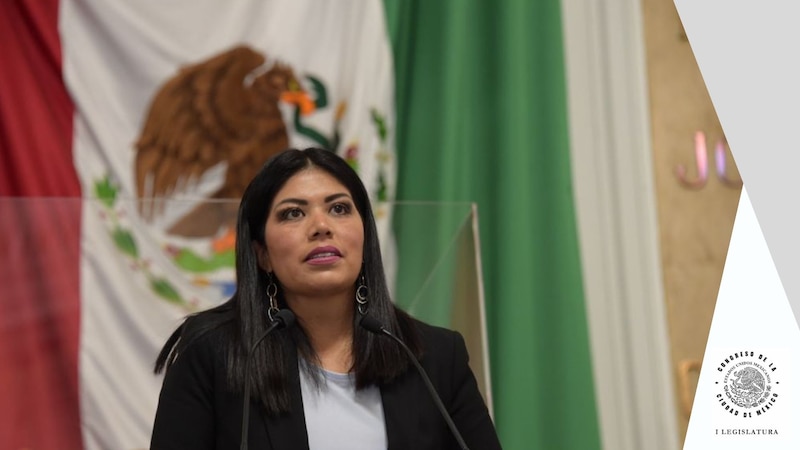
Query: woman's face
x=314 y=236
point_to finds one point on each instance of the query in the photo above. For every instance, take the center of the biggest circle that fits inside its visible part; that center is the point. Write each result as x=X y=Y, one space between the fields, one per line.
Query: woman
x=307 y=242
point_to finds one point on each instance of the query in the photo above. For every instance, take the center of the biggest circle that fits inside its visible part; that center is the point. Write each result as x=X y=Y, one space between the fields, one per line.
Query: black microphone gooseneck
x=284 y=318
x=372 y=324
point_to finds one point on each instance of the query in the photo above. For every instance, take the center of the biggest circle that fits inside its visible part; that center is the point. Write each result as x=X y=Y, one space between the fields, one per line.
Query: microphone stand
x=372 y=324
x=284 y=318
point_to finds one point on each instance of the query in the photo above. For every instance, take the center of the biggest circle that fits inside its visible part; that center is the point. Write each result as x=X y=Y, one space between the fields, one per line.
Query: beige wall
x=694 y=224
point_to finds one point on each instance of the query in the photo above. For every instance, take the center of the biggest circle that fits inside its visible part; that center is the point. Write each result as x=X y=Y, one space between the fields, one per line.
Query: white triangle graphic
x=747 y=392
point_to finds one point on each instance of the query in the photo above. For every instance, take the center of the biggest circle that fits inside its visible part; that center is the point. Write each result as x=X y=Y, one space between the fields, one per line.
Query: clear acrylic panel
x=91 y=288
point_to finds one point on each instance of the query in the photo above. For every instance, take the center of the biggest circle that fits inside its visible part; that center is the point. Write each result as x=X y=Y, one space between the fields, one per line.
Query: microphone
x=373 y=325
x=284 y=318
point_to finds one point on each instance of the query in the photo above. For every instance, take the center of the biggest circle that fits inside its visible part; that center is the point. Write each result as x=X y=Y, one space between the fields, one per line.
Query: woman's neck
x=329 y=324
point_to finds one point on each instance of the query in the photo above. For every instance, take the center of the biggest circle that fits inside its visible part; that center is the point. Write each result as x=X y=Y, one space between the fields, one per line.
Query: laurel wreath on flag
x=125 y=241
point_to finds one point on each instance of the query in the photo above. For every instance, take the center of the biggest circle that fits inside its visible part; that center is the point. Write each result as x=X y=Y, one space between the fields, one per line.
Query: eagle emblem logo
x=208 y=131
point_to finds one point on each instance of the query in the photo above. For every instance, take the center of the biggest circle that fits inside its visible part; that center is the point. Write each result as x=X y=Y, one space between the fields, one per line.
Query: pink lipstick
x=323 y=255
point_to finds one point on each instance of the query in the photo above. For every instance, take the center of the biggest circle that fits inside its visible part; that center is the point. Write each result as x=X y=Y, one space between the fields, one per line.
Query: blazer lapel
x=288 y=432
x=398 y=411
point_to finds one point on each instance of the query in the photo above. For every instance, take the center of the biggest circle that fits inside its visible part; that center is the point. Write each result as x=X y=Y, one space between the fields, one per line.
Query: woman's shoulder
x=213 y=325
x=202 y=333
x=433 y=332
x=209 y=319
x=436 y=341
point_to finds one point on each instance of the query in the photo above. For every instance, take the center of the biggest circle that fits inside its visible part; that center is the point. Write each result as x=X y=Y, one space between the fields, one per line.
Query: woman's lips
x=323 y=255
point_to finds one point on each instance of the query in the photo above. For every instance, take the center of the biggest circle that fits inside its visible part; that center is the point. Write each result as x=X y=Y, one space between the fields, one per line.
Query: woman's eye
x=291 y=213
x=340 y=209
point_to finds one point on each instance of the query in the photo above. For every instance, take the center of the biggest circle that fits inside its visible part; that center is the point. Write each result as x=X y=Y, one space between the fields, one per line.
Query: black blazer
x=196 y=410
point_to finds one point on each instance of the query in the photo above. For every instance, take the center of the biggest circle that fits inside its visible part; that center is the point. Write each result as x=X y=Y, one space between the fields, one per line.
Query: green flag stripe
x=481 y=116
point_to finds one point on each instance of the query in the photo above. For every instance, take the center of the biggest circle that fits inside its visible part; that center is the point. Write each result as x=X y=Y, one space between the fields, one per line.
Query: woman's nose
x=320 y=226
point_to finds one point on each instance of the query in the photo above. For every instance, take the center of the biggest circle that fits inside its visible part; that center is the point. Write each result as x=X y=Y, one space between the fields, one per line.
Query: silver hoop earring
x=272 y=291
x=362 y=303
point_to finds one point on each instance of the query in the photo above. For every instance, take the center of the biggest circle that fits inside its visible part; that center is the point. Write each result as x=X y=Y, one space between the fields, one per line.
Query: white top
x=338 y=416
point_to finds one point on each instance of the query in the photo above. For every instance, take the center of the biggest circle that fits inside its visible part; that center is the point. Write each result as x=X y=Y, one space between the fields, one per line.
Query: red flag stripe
x=39 y=237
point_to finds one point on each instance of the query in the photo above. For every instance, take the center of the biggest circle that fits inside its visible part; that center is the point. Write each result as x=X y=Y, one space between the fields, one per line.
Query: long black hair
x=243 y=317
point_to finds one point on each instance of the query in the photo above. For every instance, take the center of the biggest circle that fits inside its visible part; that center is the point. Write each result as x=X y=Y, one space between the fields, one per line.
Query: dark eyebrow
x=333 y=197
x=299 y=201
x=296 y=201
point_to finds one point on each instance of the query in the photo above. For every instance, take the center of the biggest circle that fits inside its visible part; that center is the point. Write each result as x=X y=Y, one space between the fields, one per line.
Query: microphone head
x=285 y=317
x=371 y=324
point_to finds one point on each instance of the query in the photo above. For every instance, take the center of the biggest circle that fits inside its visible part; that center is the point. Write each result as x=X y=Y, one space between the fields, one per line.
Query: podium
x=91 y=288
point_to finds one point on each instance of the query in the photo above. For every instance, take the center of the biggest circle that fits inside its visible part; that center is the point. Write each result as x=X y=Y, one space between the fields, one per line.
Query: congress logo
x=747 y=384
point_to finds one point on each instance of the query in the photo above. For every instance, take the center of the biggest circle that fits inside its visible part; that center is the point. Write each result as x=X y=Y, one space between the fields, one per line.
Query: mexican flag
x=152 y=118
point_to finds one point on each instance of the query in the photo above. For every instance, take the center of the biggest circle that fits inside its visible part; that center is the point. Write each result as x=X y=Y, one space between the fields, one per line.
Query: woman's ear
x=263 y=256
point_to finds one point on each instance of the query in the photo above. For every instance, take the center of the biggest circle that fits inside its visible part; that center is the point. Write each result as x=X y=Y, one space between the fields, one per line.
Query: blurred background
x=549 y=178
